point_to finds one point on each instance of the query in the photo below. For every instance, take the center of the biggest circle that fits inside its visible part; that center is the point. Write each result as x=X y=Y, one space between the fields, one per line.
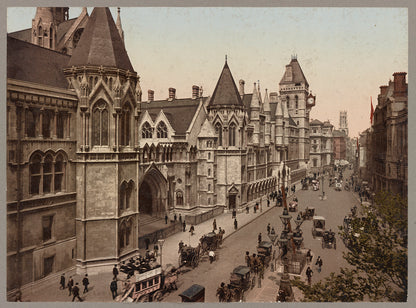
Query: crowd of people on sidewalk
x=73 y=287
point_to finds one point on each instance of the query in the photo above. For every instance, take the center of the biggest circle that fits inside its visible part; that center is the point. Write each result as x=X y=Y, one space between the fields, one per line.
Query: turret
x=266 y=109
x=254 y=114
x=44 y=28
x=279 y=124
x=118 y=25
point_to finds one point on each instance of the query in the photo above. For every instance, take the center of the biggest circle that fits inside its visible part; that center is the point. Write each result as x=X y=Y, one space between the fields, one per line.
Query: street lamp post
x=273 y=236
x=161 y=242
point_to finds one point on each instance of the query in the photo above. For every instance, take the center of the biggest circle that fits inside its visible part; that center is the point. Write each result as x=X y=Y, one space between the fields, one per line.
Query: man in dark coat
x=85 y=282
x=235 y=224
x=115 y=272
x=75 y=292
x=113 y=288
x=70 y=285
x=183 y=226
x=259 y=238
x=180 y=218
x=309 y=274
x=166 y=218
x=175 y=217
x=62 y=282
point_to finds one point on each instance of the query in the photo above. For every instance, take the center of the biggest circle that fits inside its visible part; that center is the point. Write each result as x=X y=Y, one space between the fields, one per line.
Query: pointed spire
x=118 y=24
x=266 y=105
x=100 y=43
x=84 y=85
x=138 y=91
x=255 y=103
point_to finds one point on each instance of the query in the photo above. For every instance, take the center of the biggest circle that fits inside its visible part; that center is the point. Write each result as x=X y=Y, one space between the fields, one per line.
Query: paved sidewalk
x=99 y=283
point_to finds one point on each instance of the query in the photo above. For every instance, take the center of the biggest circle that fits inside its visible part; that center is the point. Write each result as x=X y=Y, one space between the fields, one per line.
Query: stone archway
x=153 y=193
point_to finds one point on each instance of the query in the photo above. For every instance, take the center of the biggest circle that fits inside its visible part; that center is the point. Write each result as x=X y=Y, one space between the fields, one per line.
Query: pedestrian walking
x=255 y=207
x=113 y=288
x=235 y=224
x=247 y=258
x=214 y=224
x=309 y=256
x=85 y=282
x=75 y=292
x=70 y=285
x=268 y=228
x=180 y=218
x=183 y=226
x=247 y=209
x=259 y=238
x=175 y=217
x=309 y=273
x=62 y=282
x=234 y=213
x=166 y=219
x=192 y=229
x=319 y=264
x=211 y=255
x=115 y=271
x=268 y=202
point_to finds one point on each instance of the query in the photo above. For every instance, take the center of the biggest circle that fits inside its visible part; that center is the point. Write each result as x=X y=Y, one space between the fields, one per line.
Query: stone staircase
x=147 y=219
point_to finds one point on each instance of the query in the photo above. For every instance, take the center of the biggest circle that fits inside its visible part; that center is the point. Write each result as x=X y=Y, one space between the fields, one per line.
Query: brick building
x=340 y=145
x=89 y=159
x=321 y=151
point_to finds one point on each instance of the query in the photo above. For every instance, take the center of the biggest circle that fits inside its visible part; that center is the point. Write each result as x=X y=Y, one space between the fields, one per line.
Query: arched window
x=35 y=174
x=46 y=124
x=47 y=174
x=179 y=198
x=209 y=155
x=209 y=171
x=128 y=232
x=122 y=196
x=125 y=125
x=60 y=166
x=40 y=36
x=100 y=124
x=162 y=130
x=146 y=130
x=287 y=102
x=231 y=134
x=209 y=187
x=122 y=235
x=218 y=131
x=296 y=102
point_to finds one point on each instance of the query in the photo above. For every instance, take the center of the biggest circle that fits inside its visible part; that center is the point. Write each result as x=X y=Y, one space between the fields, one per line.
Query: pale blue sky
x=345 y=53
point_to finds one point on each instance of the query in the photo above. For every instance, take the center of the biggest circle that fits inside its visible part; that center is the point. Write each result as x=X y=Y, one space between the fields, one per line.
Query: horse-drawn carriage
x=240 y=281
x=211 y=241
x=189 y=255
x=329 y=240
x=194 y=293
x=318 y=226
x=148 y=286
x=308 y=213
x=293 y=206
x=264 y=252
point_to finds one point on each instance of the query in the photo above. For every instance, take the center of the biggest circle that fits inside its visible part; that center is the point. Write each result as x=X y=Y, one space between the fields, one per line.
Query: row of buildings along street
x=102 y=175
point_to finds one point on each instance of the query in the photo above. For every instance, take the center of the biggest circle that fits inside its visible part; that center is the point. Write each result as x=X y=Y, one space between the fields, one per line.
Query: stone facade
x=88 y=157
x=321 y=152
x=387 y=165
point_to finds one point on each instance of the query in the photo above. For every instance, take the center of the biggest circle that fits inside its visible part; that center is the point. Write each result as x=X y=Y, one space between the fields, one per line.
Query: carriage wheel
x=180 y=260
x=144 y=298
x=194 y=261
x=157 y=296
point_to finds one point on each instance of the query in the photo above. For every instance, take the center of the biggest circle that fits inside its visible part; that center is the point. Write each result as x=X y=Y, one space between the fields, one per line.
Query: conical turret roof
x=255 y=100
x=100 y=43
x=279 y=111
x=266 y=104
x=226 y=92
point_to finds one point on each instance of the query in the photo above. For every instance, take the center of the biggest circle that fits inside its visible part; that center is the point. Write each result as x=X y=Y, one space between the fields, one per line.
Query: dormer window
x=162 y=130
x=147 y=131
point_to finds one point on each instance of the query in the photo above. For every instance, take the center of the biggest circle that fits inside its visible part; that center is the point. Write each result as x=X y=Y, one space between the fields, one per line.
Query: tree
x=377 y=253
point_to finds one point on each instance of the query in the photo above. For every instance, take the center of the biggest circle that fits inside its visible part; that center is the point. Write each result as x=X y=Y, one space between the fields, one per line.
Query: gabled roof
x=179 y=112
x=328 y=124
x=316 y=122
x=297 y=74
x=226 y=92
x=29 y=62
x=292 y=122
x=100 y=43
x=207 y=131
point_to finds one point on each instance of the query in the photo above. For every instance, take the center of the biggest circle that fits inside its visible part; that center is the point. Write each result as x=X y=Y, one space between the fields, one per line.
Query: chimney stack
x=241 y=90
x=195 y=92
x=150 y=95
x=400 y=87
x=383 y=90
x=172 y=94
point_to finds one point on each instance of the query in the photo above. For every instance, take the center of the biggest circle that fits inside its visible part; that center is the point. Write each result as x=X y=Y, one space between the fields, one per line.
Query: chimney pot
x=241 y=90
x=195 y=92
x=383 y=90
x=172 y=94
x=150 y=95
x=400 y=87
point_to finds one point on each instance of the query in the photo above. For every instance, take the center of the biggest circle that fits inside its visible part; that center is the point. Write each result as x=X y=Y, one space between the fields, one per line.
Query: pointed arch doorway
x=153 y=193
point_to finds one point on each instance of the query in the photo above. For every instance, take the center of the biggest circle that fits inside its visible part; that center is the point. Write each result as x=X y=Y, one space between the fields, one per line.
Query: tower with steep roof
x=227 y=115
x=294 y=91
x=101 y=74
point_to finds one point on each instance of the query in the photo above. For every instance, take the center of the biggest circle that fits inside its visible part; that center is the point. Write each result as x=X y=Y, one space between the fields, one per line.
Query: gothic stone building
x=89 y=159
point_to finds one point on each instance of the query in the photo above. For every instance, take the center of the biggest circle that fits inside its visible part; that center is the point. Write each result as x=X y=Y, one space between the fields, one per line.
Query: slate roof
x=327 y=124
x=23 y=35
x=247 y=101
x=226 y=92
x=297 y=73
x=29 y=62
x=316 y=122
x=292 y=122
x=100 y=43
x=179 y=112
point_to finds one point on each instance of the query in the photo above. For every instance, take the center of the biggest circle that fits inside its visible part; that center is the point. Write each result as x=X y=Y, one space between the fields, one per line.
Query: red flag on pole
x=372 y=111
